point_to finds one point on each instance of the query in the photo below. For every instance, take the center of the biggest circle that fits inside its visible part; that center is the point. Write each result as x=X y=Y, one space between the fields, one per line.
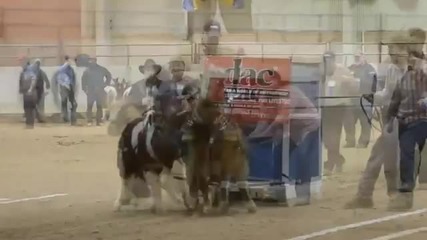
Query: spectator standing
x=338 y=84
x=42 y=82
x=95 y=78
x=27 y=87
x=364 y=73
x=65 y=81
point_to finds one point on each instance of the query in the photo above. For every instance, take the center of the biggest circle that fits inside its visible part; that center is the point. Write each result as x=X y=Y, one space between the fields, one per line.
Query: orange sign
x=249 y=89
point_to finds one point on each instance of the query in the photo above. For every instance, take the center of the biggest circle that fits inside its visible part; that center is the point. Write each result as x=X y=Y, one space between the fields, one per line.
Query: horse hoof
x=224 y=208
x=117 y=206
x=251 y=207
x=189 y=202
x=120 y=203
x=158 y=210
x=205 y=210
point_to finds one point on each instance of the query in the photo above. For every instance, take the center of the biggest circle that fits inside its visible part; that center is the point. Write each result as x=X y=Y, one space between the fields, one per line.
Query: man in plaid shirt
x=409 y=106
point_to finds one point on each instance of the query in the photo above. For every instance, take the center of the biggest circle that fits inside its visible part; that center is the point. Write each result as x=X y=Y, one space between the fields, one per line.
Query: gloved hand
x=369 y=97
x=389 y=126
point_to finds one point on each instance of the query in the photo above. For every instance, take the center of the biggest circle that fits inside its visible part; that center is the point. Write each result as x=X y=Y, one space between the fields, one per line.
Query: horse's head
x=126 y=114
x=206 y=120
x=206 y=112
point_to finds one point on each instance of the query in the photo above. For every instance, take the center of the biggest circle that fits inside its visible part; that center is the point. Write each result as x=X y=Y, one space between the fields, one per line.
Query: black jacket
x=42 y=79
x=93 y=79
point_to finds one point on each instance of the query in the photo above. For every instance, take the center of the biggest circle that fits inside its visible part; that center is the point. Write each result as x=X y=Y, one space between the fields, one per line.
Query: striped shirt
x=410 y=90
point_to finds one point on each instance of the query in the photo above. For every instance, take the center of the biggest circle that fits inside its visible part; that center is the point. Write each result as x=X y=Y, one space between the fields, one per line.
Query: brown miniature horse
x=217 y=155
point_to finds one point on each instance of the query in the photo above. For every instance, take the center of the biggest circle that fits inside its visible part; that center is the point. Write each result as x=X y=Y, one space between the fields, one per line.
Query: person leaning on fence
x=386 y=148
x=64 y=80
x=409 y=106
x=338 y=85
x=27 y=87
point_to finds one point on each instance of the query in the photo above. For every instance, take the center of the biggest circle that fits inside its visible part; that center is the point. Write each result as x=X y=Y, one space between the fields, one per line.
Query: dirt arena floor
x=60 y=182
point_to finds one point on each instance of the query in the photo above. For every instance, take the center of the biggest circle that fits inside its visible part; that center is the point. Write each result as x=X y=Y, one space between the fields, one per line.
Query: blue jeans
x=67 y=95
x=409 y=136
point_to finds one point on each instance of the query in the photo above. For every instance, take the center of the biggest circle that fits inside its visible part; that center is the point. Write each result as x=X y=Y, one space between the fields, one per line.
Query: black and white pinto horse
x=147 y=151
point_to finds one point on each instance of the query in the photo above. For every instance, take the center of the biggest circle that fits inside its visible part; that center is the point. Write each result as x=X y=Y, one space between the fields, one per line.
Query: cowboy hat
x=149 y=62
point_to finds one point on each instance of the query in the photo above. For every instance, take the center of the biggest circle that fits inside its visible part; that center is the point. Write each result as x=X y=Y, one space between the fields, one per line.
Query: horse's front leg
x=107 y=114
x=125 y=195
x=224 y=202
x=246 y=196
x=153 y=180
x=204 y=188
x=192 y=200
x=169 y=184
x=179 y=174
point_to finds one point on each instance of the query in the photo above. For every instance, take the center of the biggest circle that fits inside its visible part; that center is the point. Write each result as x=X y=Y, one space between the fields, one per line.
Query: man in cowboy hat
x=138 y=90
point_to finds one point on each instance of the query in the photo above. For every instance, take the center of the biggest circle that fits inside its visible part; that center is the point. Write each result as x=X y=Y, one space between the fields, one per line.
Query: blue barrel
x=279 y=160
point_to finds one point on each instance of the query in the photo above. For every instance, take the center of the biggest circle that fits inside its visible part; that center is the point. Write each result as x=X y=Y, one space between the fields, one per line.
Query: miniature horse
x=217 y=155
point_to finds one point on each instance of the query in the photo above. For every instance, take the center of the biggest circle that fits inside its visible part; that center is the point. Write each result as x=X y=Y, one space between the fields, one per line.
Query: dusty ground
x=80 y=162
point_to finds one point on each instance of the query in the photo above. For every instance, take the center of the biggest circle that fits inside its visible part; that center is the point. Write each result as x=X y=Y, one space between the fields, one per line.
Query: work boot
x=359 y=202
x=402 y=201
x=328 y=168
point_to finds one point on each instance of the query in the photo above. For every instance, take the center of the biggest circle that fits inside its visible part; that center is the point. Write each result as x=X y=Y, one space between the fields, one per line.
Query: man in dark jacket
x=95 y=78
x=42 y=79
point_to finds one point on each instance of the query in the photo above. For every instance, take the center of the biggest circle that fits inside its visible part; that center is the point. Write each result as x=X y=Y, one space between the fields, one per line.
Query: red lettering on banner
x=250 y=89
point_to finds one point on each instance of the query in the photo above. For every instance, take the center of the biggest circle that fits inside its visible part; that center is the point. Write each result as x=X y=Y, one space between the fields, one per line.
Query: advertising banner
x=249 y=90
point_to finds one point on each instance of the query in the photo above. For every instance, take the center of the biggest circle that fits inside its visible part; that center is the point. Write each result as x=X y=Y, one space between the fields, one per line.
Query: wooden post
x=61 y=51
